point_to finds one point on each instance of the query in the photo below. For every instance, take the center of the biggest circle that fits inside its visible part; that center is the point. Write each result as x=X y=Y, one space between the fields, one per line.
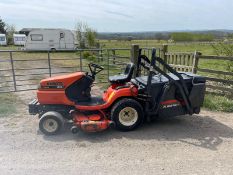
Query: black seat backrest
x=125 y=77
x=129 y=70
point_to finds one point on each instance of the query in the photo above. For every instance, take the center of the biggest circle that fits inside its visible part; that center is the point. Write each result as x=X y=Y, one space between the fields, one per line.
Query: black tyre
x=51 y=123
x=127 y=114
x=53 y=50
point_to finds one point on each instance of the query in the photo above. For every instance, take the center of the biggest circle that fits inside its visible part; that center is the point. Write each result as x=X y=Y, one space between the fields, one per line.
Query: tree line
x=175 y=36
x=184 y=36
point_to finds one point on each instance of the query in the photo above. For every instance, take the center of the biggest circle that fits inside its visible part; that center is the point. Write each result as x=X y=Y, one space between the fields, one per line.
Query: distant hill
x=160 y=35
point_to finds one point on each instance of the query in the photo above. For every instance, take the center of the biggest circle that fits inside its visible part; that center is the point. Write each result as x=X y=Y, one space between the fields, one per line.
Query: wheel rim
x=50 y=125
x=128 y=116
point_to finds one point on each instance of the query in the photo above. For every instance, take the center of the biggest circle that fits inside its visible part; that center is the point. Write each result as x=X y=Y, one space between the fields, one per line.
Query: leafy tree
x=86 y=36
x=10 y=30
x=90 y=35
x=79 y=29
x=2 y=26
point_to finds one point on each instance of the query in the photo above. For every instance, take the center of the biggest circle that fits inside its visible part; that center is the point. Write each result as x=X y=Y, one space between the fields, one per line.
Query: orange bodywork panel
x=53 y=97
x=110 y=96
x=64 y=80
x=52 y=90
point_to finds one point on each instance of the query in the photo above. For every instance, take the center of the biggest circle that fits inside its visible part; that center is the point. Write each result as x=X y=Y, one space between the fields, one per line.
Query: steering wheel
x=95 y=69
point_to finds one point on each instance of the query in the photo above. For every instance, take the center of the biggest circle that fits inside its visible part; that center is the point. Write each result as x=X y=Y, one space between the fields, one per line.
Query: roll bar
x=181 y=85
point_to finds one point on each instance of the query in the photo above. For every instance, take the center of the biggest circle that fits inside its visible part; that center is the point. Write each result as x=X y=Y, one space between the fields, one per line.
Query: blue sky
x=120 y=15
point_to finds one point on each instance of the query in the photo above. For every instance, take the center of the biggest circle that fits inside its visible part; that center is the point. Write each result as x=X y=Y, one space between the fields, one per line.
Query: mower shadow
x=204 y=132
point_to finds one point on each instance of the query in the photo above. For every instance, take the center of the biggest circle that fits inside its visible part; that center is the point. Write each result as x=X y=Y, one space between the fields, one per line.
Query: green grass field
x=205 y=49
x=212 y=102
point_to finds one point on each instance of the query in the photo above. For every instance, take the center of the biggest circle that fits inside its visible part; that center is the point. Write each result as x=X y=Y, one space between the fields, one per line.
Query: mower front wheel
x=51 y=123
x=127 y=114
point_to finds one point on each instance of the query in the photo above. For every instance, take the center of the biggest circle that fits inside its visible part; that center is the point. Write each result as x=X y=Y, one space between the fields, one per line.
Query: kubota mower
x=126 y=104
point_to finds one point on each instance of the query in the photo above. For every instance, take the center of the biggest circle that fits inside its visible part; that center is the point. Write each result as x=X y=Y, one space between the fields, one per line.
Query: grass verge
x=218 y=103
x=8 y=104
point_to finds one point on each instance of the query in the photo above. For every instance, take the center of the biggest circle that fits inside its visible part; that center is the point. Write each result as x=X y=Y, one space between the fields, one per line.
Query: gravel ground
x=199 y=144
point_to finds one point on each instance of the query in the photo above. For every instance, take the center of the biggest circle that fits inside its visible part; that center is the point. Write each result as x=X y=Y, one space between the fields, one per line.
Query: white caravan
x=50 y=39
x=3 y=41
x=19 y=39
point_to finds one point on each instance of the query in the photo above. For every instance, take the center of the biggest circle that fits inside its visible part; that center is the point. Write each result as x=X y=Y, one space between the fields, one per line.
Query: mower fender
x=110 y=96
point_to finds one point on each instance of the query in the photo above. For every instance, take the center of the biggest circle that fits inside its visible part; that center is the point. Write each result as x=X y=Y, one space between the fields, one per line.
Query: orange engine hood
x=62 y=80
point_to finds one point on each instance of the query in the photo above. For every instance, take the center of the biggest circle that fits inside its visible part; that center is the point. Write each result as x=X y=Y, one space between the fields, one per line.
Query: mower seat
x=125 y=77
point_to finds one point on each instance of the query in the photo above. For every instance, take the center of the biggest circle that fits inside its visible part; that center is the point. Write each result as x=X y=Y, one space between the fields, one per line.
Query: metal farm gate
x=22 y=70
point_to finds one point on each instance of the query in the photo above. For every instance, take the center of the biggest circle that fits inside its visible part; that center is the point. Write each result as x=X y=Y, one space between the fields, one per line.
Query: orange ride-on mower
x=125 y=104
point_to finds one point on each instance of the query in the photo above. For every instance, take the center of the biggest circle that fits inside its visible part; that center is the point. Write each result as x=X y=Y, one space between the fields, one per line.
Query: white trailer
x=3 y=41
x=19 y=39
x=50 y=39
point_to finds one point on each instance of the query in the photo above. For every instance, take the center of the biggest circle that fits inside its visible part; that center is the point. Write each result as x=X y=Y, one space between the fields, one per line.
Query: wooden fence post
x=195 y=61
x=165 y=50
x=134 y=57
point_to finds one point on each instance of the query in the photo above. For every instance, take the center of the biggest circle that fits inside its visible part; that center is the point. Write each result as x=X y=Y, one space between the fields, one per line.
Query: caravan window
x=62 y=35
x=19 y=38
x=36 y=37
x=2 y=38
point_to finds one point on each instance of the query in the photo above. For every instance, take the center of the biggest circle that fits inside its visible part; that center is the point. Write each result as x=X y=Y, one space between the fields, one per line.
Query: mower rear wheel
x=127 y=114
x=51 y=123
